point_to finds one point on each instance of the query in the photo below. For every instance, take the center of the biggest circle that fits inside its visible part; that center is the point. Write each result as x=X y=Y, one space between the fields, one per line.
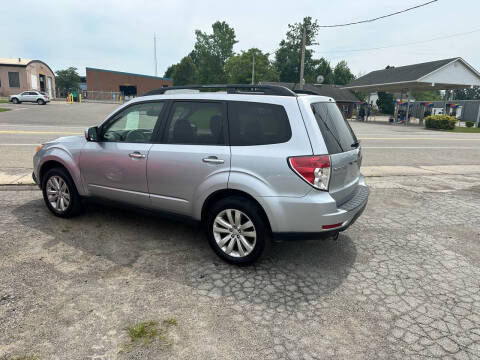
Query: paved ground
x=403 y=282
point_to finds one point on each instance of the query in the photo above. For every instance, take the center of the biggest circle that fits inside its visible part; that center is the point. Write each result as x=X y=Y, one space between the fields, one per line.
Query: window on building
x=257 y=124
x=13 y=79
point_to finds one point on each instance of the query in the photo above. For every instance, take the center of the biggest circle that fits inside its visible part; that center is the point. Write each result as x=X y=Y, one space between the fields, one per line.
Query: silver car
x=249 y=163
x=39 y=97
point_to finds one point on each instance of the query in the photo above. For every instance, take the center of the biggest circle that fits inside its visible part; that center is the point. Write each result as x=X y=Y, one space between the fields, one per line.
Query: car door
x=115 y=166
x=32 y=96
x=24 y=96
x=193 y=158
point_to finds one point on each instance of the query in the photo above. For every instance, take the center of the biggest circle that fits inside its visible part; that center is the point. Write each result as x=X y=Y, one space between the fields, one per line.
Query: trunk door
x=344 y=150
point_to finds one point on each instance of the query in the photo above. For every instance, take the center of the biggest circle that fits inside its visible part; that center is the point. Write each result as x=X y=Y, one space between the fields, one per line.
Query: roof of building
x=130 y=74
x=334 y=91
x=15 y=61
x=420 y=75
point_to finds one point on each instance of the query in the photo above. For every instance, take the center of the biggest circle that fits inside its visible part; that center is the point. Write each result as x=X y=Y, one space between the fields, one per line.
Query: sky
x=118 y=35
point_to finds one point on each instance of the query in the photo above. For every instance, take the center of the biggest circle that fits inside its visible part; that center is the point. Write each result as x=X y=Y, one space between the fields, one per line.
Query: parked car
x=248 y=163
x=39 y=97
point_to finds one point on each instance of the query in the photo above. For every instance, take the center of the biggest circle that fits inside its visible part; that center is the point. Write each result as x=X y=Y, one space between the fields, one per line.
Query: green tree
x=288 y=55
x=342 y=74
x=322 y=67
x=385 y=103
x=67 y=80
x=238 y=68
x=170 y=70
x=467 y=94
x=430 y=95
x=211 y=51
x=185 y=72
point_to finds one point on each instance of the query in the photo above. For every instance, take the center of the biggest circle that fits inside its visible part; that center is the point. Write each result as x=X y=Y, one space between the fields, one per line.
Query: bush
x=469 y=123
x=444 y=122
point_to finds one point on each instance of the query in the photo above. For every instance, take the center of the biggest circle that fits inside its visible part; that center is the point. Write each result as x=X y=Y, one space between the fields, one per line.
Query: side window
x=194 y=122
x=32 y=93
x=257 y=124
x=25 y=93
x=13 y=79
x=135 y=124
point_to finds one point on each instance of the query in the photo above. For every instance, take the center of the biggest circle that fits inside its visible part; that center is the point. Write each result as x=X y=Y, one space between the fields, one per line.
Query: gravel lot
x=403 y=282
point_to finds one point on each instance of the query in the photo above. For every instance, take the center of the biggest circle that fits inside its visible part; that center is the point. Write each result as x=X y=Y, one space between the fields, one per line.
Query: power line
x=404 y=44
x=378 y=18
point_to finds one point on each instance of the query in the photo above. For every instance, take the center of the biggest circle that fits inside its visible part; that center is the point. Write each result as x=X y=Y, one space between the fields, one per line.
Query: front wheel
x=60 y=194
x=15 y=101
x=237 y=231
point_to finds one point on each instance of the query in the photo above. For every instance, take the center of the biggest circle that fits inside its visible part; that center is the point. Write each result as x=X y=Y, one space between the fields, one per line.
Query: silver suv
x=249 y=162
x=39 y=97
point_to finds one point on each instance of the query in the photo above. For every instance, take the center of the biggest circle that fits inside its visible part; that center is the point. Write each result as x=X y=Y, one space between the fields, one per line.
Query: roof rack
x=231 y=89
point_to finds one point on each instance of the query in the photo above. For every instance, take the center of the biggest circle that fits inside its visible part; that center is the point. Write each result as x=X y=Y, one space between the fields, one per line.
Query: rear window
x=336 y=131
x=257 y=124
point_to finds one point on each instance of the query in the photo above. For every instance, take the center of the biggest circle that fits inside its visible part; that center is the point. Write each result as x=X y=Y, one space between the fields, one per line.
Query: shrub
x=469 y=123
x=444 y=122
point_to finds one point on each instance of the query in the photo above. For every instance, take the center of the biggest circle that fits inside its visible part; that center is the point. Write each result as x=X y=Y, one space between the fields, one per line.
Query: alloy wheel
x=234 y=233
x=58 y=193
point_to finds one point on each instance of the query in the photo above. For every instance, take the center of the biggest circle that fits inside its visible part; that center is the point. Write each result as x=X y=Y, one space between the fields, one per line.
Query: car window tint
x=135 y=124
x=337 y=133
x=257 y=124
x=193 y=122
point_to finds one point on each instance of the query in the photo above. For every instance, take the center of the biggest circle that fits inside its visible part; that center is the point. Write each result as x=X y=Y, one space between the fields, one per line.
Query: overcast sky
x=118 y=35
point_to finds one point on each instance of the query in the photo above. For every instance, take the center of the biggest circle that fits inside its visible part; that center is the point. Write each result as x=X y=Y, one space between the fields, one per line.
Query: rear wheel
x=237 y=231
x=60 y=194
x=40 y=102
x=15 y=101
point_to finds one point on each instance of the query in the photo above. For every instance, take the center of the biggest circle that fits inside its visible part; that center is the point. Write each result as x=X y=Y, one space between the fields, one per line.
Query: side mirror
x=91 y=134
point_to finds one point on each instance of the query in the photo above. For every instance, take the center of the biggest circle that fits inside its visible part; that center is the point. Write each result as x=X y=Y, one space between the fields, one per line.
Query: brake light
x=313 y=169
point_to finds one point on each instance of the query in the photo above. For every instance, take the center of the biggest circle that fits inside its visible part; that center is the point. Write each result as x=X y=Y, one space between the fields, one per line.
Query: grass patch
x=4 y=101
x=146 y=333
x=26 y=357
x=466 y=130
x=4 y=109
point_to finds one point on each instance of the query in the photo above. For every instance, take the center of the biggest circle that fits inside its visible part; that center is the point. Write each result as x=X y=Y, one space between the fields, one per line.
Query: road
x=26 y=126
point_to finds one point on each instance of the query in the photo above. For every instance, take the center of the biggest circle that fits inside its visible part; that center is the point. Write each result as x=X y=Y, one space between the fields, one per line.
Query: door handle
x=136 y=155
x=213 y=160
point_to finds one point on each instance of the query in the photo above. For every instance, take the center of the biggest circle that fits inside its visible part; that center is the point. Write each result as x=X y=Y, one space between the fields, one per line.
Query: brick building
x=17 y=75
x=127 y=83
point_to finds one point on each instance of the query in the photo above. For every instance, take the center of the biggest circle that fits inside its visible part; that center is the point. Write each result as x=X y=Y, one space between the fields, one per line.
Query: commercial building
x=17 y=75
x=126 y=83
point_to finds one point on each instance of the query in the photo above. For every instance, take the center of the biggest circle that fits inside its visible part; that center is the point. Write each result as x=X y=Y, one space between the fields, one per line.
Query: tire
x=40 y=102
x=15 y=101
x=67 y=186
x=234 y=250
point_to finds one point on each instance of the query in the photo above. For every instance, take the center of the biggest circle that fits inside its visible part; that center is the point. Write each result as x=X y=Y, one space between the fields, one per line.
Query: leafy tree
x=432 y=95
x=211 y=51
x=185 y=72
x=385 y=103
x=342 y=74
x=67 y=80
x=288 y=55
x=467 y=94
x=170 y=70
x=238 y=68
x=322 y=67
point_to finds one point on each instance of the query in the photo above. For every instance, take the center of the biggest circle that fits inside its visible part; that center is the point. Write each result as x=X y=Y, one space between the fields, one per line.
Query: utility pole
x=302 y=62
x=155 y=52
x=253 y=68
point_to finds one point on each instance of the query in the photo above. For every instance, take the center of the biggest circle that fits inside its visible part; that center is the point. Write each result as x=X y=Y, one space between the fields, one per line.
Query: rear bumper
x=306 y=216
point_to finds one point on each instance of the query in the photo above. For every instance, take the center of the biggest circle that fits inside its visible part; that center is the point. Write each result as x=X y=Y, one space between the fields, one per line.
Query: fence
x=470 y=109
x=102 y=96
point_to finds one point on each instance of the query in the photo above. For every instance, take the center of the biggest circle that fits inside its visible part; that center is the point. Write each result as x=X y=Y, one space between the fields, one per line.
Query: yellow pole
x=79 y=98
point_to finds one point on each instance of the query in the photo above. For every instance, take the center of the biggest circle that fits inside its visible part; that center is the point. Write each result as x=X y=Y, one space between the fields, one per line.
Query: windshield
x=336 y=131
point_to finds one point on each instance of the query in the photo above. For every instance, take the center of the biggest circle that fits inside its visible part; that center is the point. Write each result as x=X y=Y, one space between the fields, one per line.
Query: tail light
x=313 y=169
